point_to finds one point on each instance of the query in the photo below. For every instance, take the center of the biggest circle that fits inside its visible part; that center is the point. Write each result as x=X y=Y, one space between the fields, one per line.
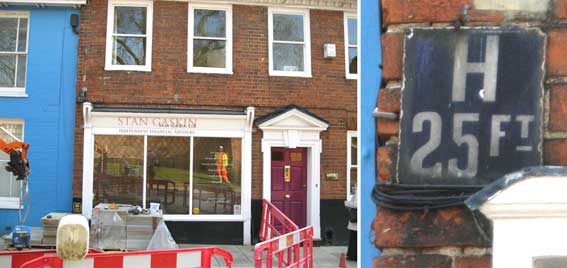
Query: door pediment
x=292 y=117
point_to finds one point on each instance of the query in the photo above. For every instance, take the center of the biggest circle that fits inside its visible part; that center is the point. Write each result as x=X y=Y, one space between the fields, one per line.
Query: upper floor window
x=10 y=130
x=289 y=41
x=129 y=35
x=13 y=53
x=351 y=46
x=210 y=39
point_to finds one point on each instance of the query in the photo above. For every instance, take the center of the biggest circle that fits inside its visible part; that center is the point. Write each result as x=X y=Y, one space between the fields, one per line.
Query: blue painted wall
x=371 y=56
x=48 y=112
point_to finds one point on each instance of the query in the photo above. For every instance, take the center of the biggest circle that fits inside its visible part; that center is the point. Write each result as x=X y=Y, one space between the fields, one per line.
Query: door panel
x=297 y=181
x=290 y=196
x=296 y=210
x=277 y=178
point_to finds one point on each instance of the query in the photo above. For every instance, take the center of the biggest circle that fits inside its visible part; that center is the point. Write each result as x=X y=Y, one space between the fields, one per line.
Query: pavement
x=324 y=257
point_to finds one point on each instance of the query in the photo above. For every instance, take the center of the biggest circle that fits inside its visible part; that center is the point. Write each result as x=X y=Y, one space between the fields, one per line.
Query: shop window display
x=214 y=187
x=118 y=169
x=217 y=176
x=168 y=173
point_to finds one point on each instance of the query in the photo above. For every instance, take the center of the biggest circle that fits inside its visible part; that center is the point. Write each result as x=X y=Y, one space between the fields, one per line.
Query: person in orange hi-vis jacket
x=222 y=164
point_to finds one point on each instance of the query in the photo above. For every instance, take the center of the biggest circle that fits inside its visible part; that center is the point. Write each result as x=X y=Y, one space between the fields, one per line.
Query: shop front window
x=118 y=169
x=168 y=173
x=211 y=185
x=217 y=180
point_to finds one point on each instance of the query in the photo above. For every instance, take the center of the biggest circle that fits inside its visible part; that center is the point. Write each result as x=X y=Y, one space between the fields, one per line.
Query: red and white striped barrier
x=274 y=222
x=14 y=259
x=298 y=245
x=173 y=258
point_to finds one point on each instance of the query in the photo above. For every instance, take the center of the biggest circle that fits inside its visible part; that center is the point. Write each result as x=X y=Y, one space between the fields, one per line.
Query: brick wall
x=328 y=93
x=450 y=238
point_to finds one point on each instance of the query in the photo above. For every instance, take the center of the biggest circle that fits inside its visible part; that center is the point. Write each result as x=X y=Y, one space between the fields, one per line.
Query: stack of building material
x=50 y=223
x=116 y=229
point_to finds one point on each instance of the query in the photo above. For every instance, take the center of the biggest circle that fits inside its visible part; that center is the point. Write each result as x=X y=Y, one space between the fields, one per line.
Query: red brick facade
x=327 y=93
x=449 y=238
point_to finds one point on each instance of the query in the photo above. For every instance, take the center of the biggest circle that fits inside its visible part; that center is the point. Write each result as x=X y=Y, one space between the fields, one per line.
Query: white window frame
x=11 y=202
x=350 y=134
x=228 y=39
x=306 y=42
x=348 y=16
x=17 y=91
x=149 y=5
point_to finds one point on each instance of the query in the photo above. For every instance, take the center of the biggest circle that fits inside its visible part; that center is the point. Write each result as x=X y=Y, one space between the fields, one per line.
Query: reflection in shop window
x=119 y=173
x=118 y=169
x=217 y=176
x=168 y=173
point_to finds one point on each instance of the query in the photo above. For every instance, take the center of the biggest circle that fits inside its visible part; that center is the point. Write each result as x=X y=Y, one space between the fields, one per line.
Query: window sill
x=128 y=68
x=290 y=74
x=9 y=203
x=13 y=92
x=210 y=71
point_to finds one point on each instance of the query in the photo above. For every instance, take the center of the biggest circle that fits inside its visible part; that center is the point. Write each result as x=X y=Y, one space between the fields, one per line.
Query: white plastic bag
x=162 y=238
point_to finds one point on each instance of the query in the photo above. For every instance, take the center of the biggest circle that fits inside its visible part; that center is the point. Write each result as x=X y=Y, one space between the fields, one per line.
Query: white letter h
x=489 y=68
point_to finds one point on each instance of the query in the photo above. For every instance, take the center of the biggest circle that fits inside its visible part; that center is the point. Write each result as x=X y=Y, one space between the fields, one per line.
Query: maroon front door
x=289 y=183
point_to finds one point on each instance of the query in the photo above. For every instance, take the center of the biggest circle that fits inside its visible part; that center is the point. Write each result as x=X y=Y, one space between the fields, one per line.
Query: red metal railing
x=283 y=240
x=14 y=259
x=297 y=245
x=171 y=258
x=274 y=223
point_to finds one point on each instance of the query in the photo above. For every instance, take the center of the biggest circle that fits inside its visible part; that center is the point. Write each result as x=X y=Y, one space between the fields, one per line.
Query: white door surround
x=292 y=129
x=528 y=209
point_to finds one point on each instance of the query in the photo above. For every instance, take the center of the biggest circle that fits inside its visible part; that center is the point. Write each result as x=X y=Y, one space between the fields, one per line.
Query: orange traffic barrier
x=298 y=245
x=14 y=259
x=170 y=258
x=283 y=242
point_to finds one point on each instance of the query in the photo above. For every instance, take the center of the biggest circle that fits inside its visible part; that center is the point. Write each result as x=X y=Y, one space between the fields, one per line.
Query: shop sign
x=471 y=104
x=157 y=122
x=166 y=124
x=156 y=125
